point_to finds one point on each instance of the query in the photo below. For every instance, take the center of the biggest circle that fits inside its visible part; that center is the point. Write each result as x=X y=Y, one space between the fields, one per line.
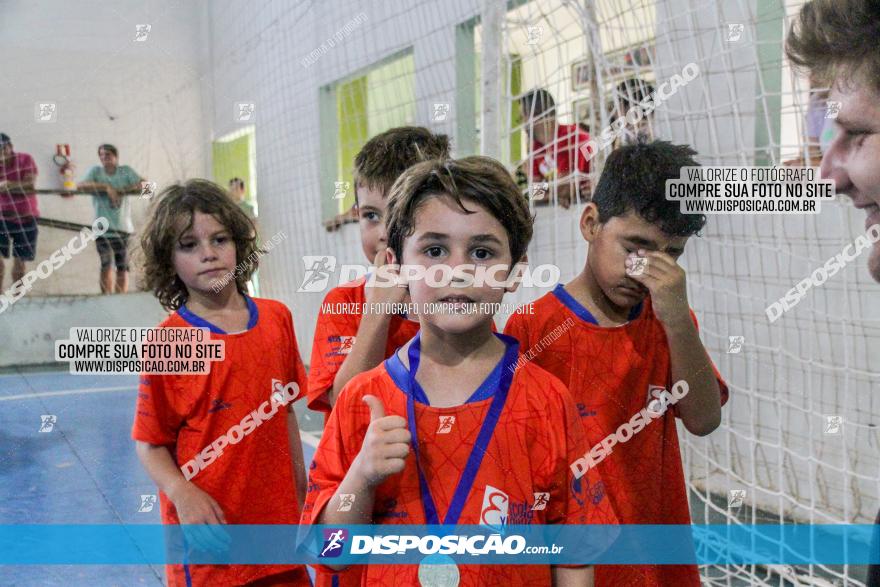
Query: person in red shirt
x=191 y=243
x=348 y=343
x=447 y=430
x=620 y=333
x=557 y=150
x=18 y=209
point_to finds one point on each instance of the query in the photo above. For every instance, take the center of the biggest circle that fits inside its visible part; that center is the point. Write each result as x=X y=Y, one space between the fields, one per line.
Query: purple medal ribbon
x=502 y=377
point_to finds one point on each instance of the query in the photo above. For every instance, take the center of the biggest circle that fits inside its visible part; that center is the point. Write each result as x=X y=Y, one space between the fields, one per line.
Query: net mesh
x=746 y=107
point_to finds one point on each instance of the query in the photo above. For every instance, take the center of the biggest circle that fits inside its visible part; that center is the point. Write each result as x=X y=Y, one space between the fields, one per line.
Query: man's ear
x=590 y=224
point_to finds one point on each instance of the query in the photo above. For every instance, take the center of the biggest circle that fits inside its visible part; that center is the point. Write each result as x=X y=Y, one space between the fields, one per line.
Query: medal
x=438 y=570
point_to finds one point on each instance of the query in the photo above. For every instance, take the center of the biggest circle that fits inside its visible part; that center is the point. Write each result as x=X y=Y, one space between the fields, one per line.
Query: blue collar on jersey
x=581 y=312
x=400 y=375
x=200 y=322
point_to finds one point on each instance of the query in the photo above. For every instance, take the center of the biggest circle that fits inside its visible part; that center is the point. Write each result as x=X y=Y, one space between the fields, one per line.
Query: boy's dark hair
x=4 y=139
x=171 y=216
x=634 y=178
x=537 y=102
x=385 y=156
x=481 y=180
x=237 y=181
x=110 y=148
x=837 y=39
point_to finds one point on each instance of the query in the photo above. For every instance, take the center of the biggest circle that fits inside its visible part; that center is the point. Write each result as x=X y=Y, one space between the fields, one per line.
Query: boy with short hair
x=633 y=336
x=346 y=344
x=350 y=343
x=557 y=150
x=448 y=430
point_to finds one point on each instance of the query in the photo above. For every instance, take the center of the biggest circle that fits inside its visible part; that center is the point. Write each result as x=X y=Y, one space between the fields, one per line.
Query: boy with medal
x=448 y=430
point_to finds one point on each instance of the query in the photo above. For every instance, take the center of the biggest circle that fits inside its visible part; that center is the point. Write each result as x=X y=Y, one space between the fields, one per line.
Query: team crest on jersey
x=342 y=346
x=446 y=423
x=493 y=514
x=652 y=402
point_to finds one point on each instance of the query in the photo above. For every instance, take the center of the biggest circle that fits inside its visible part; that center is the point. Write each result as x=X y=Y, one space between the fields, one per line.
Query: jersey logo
x=585 y=412
x=389 y=510
x=217 y=405
x=493 y=514
x=541 y=500
x=343 y=345
x=446 y=423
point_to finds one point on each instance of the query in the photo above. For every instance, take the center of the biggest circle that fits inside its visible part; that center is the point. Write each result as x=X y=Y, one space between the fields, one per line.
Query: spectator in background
x=110 y=182
x=628 y=94
x=238 y=191
x=556 y=149
x=18 y=208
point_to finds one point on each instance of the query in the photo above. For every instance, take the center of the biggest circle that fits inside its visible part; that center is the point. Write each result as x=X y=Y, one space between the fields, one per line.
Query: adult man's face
x=853 y=158
x=107 y=157
x=6 y=151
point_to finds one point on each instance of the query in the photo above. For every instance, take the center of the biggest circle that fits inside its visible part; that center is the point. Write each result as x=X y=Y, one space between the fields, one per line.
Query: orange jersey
x=335 y=333
x=252 y=480
x=612 y=374
x=527 y=462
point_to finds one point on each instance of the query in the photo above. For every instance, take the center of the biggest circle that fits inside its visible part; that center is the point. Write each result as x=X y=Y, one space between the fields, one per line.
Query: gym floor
x=83 y=471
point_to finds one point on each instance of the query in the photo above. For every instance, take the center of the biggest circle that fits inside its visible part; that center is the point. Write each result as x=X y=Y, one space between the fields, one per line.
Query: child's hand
x=385 y=293
x=385 y=447
x=665 y=279
x=195 y=508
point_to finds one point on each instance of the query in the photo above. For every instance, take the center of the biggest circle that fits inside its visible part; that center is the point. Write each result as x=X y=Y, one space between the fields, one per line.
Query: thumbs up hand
x=385 y=446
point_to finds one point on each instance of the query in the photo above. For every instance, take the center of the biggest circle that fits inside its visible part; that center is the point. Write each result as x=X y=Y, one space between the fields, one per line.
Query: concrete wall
x=30 y=327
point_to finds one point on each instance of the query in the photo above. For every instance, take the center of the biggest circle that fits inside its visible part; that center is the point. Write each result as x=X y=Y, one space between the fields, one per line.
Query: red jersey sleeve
x=156 y=418
x=325 y=362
